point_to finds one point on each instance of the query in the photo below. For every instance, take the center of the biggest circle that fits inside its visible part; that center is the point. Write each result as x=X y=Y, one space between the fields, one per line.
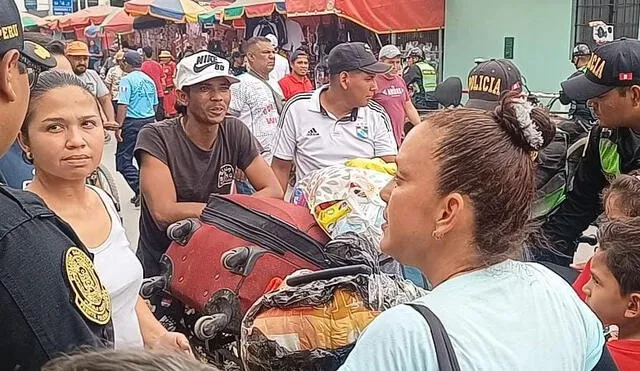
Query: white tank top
x=121 y=273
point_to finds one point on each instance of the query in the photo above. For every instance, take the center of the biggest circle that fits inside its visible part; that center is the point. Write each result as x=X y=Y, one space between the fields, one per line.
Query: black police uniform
x=579 y=112
x=615 y=64
x=583 y=204
x=51 y=300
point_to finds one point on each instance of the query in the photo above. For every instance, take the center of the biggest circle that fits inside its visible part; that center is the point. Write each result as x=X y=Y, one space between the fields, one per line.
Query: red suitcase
x=237 y=247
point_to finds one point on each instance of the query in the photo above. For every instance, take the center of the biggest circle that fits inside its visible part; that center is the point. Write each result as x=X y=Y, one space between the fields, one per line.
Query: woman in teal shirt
x=458 y=210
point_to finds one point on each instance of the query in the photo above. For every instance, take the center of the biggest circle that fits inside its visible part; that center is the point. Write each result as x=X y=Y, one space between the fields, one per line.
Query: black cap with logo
x=489 y=79
x=613 y=64
x=11 y=37
x=347 y=57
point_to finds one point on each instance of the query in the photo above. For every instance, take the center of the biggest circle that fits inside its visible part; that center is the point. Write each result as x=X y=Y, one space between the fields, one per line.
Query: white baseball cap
x=202 y=66
x=273 y=39
x=389 y=51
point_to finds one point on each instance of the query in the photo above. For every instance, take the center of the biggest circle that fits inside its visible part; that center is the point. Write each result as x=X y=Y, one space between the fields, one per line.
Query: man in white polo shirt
x=336 y=122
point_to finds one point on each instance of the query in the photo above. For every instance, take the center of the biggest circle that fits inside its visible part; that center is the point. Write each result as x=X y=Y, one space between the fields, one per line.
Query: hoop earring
x=437 y=236
x=27 y=157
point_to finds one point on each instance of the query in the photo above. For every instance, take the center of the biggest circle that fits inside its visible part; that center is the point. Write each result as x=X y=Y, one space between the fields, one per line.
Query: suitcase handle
x=325 y=274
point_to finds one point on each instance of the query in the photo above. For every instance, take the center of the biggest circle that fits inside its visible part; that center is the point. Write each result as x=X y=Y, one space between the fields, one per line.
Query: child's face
x=603 y=293
x=611 y=209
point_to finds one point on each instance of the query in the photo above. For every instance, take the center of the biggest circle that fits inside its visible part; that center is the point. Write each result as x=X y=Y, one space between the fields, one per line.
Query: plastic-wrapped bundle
x=346 y=198
x=313 y=325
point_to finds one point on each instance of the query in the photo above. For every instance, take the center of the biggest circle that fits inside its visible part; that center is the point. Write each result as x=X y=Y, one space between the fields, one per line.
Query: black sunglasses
x=31 y=68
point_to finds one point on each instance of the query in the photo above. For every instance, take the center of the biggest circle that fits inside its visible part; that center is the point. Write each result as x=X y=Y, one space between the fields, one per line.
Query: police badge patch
x=89 y=296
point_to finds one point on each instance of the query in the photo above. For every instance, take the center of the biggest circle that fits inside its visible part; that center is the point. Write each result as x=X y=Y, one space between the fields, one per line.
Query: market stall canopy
x=146 y=22
x=185 y=11
x=254 y=8
x=86 y=17
x=215 y=14
x=380 y=16
x=32 y=21
x=119 y=22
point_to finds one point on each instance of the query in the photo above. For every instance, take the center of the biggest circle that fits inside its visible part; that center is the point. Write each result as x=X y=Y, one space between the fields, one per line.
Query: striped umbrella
x=31 y=21
x=215 y=14
x=179 y=11
x=119 y=21
x=86 y=17
x=253 y=8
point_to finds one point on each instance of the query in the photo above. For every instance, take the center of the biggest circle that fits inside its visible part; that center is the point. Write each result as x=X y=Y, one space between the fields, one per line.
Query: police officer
x=422 y=78
x=579 y=111
x=488 y=81
x=51 y=300
x=611 y=85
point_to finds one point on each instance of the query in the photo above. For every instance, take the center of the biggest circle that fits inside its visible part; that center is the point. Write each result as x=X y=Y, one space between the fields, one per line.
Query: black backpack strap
x=445 y=354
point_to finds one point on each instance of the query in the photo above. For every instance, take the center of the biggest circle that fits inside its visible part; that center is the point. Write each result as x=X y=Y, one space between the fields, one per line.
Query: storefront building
x=538 y=36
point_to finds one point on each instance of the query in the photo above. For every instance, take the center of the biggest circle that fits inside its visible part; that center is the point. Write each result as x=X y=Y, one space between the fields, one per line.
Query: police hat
x=611 y=65
x=489 y=79
x=12 y=37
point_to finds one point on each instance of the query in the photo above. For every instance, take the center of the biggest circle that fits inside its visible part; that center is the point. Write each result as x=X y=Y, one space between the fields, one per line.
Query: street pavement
x=130 y=214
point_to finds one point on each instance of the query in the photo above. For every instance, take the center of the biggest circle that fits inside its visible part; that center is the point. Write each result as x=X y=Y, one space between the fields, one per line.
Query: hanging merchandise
x=295 y=36
x=273 y=24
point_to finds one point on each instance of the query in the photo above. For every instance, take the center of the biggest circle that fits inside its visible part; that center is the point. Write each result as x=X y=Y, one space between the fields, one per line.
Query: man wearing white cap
x=281 y=68
x=393 y=94
x=185 y=159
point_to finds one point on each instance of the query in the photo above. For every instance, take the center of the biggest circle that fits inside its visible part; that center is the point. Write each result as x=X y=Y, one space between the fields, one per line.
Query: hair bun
x=529 y=127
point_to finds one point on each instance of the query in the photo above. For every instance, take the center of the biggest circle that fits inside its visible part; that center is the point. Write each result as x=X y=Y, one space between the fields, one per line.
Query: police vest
x=609 y=156
x=554 y=191
x=429 y=76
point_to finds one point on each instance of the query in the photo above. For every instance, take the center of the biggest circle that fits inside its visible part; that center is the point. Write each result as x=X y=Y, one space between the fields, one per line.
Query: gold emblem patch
x=91 y=298
x=41 y=52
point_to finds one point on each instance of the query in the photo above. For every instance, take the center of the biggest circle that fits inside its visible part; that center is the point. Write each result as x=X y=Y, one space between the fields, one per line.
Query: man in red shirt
x=297 y=81
x=393 y=94
x=153 y=69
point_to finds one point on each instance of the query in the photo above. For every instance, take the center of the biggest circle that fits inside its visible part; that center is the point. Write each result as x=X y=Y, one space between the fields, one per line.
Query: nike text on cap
x=347 y=57
x=200 y=67
x=613 y=64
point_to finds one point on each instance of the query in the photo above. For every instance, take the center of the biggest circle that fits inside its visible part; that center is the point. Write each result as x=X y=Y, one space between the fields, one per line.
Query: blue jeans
x=124 y=151
x=244 y=187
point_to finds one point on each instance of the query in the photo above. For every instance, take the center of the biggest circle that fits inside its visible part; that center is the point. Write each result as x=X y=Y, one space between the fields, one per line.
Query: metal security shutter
x=624 y=15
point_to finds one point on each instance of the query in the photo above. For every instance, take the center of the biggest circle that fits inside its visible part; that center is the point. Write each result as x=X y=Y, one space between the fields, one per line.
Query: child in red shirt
x=613 y=291
x=621 y=199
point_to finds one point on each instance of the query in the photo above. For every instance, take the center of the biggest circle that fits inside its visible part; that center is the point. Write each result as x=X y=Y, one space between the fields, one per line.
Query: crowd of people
x=459 y=207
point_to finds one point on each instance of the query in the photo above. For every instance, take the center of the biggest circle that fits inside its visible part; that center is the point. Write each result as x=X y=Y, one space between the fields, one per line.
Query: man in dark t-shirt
x=184 y=160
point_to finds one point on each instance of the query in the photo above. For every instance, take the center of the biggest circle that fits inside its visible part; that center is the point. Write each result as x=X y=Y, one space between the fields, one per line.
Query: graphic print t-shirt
x=253 y=103
x=196 y=173
x=392 y=94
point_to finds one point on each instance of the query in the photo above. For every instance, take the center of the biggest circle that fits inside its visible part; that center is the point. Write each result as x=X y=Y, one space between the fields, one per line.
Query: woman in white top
x=458 y=210
x=63 y=137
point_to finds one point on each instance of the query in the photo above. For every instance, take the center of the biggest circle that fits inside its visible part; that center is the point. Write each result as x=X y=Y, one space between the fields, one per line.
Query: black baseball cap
x=489 y=79
x=613 y=64
x=353 y=56
x=133 y=58
x=12 y=37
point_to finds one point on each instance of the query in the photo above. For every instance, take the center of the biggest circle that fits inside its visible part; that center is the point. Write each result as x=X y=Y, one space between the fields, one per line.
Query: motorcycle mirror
x=449 y=92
